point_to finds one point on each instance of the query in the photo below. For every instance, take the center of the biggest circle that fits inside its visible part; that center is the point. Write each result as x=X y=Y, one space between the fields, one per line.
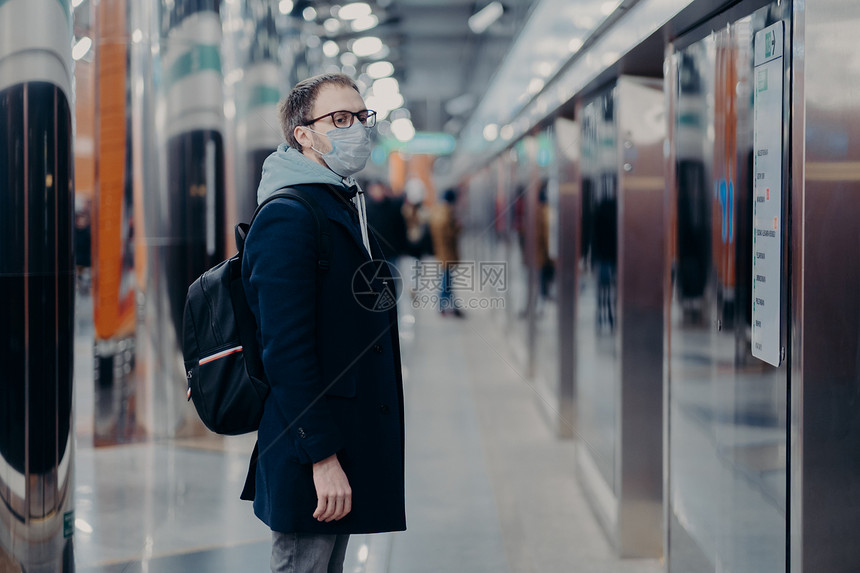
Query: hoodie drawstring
x=361 y=207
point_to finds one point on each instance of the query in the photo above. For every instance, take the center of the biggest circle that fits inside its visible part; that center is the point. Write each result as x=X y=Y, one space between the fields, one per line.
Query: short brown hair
x=295 y=109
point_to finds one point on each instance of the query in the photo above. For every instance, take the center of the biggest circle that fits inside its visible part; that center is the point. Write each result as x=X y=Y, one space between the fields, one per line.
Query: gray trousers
x=308 y=553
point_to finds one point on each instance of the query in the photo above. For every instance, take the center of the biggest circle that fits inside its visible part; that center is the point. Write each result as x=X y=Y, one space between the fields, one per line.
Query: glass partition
x=727 y=410
x=597 y=345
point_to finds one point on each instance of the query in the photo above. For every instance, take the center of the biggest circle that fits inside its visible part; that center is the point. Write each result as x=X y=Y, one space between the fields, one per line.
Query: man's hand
x=333 y=491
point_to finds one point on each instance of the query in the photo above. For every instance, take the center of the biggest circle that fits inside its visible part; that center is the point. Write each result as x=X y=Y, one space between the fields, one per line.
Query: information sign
x=767 y=193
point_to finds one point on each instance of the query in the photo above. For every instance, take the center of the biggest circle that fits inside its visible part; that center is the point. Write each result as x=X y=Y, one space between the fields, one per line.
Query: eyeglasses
x=343 y=119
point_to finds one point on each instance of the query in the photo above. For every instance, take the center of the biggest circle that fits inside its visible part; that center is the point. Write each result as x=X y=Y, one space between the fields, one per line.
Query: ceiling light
x=381 y=106
x=535 y=86
x=348 y=59
x=543 y=68
x=82 y=47
x=507 y=132
x=403 y=129
x=331 y=25
x=367 y=46
x=285 y=6
x=491 y=131
x=378 y=70
x=393 y=101
x=383 y=126
x=364 y=23
x=381 y=54
x=485 y=17
x=83 y=525
x=608 y=8
x=309 y=14
x=234 y=76
x=574 y=45
x=385 y=86
x=331 y=49
x=374 y=103
x=354 y=11
x=384 y=103
x=401 y=112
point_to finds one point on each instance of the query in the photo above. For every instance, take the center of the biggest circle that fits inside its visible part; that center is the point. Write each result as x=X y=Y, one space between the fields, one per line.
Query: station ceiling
x=443 y=67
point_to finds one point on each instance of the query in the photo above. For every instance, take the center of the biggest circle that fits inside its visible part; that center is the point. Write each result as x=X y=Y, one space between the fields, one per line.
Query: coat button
x=302 y=433
x=377 y=348
x=384 y=408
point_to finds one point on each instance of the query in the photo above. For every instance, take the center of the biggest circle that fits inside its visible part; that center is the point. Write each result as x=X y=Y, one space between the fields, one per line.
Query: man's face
x=331 y=97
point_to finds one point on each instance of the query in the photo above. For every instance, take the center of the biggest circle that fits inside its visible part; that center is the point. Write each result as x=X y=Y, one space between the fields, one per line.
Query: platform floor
x=489 y=489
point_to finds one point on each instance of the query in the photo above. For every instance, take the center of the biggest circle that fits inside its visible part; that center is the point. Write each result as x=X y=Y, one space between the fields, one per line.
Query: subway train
x=674 y=206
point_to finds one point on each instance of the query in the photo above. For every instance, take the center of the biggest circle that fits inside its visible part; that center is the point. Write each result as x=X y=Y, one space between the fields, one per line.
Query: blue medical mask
x=350 y=149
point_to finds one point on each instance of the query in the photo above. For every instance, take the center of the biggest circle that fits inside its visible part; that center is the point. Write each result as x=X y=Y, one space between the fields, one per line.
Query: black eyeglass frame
x=371 y=118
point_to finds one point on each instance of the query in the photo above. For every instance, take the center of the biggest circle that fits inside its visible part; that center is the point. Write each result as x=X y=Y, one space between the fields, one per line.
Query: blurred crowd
x=414 y=225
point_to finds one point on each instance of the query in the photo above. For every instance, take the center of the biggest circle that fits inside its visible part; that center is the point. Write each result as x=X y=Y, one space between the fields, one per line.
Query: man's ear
x=303 y=137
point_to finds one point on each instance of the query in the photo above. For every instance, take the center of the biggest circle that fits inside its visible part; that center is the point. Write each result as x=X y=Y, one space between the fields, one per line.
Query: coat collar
x=336 y=202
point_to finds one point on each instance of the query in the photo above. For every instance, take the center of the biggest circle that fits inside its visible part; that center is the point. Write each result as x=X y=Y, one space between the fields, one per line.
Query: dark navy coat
x=334 y=368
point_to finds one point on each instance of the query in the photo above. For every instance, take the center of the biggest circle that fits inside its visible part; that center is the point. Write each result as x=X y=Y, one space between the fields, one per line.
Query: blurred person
x=385 y=218
x=330 y=441
x=83 y=246
x=445 y=229
x=544 y=263
x=417 y=217
x=605 y=255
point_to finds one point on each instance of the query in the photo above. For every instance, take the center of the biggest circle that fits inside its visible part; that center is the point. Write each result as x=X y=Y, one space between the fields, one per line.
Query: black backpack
x=223 y=363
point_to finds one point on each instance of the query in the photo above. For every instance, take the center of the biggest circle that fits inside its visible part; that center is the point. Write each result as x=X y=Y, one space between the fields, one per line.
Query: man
x=331 y=438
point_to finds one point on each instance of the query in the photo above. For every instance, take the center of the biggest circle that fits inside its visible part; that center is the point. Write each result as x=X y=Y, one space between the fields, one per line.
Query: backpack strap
x=305 y=197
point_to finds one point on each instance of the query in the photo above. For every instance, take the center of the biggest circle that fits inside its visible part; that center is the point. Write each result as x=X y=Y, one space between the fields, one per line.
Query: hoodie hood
x=287 y=167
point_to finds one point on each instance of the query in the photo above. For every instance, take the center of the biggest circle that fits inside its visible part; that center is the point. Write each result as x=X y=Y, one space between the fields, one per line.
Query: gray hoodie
x=287 y=166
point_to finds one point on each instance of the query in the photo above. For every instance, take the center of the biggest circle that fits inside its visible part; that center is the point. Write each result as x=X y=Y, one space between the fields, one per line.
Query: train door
x=726 y=398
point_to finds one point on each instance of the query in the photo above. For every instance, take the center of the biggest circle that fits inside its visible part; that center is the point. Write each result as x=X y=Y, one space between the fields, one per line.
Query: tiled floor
x=488 y=487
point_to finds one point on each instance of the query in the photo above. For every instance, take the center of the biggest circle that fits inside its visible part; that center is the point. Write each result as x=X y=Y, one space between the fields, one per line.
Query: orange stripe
x=109 y=312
